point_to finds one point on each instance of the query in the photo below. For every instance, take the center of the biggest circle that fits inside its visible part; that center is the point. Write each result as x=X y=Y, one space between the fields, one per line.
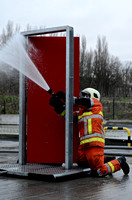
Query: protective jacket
x=91 y=125
x=91 y=133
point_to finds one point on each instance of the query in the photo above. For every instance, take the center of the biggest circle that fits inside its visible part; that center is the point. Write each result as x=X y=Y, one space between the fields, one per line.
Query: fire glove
x=61 y=95
x=83 y=101
x=58 y=102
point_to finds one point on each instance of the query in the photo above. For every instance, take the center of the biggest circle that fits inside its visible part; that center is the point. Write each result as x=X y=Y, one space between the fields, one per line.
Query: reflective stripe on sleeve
x=63 y=113
x=84 y=115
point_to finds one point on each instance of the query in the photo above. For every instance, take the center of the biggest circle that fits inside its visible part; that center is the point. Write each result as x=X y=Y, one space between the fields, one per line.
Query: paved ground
x=117 y=186
x=114 y=187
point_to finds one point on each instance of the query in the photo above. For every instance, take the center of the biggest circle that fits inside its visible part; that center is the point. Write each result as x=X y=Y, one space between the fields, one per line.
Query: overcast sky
x=92 y=18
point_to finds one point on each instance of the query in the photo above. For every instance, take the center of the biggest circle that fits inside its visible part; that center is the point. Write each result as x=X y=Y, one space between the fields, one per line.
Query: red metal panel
x=46 y=129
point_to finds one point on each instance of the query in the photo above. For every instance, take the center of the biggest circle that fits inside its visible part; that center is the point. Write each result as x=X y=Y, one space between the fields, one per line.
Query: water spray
x=14 y=54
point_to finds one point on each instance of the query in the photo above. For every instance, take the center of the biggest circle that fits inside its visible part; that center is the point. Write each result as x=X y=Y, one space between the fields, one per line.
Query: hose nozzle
x=50 y=91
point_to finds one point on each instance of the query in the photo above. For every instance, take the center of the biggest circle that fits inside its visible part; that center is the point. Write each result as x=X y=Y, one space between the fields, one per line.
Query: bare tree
x=104 y=72
x=100 y=63
x=86 y=65
x=83 y=56
x=127 y=79
x=8 y=32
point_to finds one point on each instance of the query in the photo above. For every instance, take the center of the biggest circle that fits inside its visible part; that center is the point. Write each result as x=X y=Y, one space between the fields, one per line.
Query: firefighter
x=91 y=132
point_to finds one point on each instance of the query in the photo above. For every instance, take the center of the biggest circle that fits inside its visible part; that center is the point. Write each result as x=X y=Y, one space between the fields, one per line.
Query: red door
x=46 y=129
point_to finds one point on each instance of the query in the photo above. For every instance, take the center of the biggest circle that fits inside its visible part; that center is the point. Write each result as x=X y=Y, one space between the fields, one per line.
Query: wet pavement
x=114 y=187
x=117 y=186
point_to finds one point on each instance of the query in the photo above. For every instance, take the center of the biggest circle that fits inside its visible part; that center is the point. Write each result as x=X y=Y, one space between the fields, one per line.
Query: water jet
x=14 y=54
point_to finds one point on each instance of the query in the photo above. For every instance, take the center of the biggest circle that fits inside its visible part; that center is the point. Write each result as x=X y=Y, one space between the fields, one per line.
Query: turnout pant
x=95 y=158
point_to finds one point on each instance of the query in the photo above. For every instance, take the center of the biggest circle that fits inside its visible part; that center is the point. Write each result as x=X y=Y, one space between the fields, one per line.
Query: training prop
x=46 y=129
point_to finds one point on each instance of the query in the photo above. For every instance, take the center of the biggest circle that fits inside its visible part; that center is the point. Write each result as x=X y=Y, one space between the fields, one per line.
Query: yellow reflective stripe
x=85 y=114
x=89 y=126
x=101 y=113
x=93 y=135
x=112 y=166
x=104 y=132
x=63 y=113
x=89 y=113
x=94 y=139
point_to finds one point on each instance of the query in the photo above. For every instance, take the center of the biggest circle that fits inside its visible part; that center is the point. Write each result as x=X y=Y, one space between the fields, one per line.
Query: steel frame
x=69 y=97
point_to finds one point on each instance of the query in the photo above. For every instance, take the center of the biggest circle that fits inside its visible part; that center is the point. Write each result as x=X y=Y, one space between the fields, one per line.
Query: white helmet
x=91 y=92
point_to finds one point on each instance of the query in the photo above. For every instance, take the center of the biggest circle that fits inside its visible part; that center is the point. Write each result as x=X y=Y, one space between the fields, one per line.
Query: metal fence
x=117 y=109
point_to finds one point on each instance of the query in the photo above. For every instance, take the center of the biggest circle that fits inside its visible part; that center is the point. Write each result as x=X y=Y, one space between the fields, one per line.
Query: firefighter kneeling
x=91 y=133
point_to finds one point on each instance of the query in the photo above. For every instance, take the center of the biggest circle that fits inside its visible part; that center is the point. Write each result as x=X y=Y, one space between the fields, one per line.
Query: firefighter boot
x=124 y=165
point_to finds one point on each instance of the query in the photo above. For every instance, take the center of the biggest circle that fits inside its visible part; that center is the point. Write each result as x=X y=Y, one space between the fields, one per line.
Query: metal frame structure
x=69 y=97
